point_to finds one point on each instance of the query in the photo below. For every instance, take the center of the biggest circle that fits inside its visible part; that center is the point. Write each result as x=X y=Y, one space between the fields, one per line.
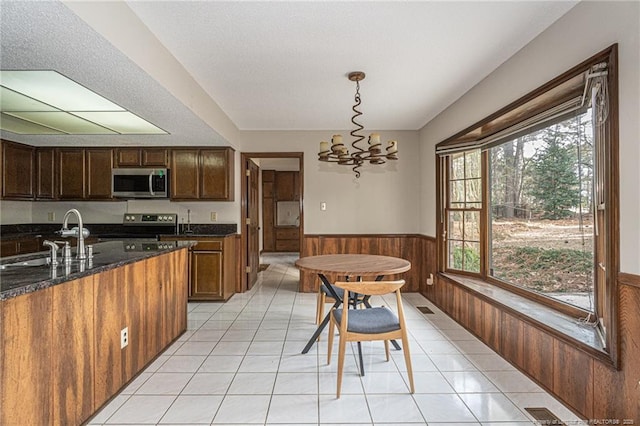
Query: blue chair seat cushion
x=338 y=290
x=369 y=321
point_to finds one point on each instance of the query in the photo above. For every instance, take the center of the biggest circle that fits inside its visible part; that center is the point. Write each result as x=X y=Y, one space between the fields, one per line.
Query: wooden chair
x=358 y=325
x=324 y=296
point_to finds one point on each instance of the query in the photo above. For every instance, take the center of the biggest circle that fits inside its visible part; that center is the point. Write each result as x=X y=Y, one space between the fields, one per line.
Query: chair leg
x=332 y=324
x=341 y=350
x=320 y=307
x=407 y=360
x=386 y=349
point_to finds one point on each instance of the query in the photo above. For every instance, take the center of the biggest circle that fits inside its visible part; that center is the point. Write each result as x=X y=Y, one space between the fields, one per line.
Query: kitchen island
x=73 y=336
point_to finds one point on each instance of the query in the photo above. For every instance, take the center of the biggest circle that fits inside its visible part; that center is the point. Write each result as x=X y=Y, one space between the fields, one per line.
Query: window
x=528 y=196
x=541 y=211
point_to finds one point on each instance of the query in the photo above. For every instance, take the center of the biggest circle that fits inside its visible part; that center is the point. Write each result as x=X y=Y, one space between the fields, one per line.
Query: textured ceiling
x=280 y=65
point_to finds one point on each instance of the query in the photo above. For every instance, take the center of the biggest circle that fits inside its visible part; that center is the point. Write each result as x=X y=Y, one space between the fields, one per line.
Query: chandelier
x=339 y=153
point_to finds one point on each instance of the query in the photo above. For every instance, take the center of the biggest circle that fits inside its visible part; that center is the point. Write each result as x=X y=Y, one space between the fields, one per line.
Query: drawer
x=208 y=246
x=287 y=233
x=287 y=245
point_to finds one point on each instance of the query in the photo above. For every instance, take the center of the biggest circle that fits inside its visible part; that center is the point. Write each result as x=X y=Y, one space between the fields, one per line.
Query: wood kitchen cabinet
x=46 y=174
x=202 y=174
x=18 y=171
x=213 y=267
x=287 y=239
x=84 y=173
x=141 y=157
x=287 y=185
x=268 y=211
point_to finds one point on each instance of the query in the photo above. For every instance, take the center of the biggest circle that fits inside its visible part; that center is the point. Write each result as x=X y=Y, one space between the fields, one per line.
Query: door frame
x=244 y=191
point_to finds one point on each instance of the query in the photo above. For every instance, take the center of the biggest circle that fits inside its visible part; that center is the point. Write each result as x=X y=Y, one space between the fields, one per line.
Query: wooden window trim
x=608 y=55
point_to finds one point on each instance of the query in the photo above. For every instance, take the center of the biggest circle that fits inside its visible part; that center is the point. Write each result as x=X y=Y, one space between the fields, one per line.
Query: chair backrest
x=370 y=288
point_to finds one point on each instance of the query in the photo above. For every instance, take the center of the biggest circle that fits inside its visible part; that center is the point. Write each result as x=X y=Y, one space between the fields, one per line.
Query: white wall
x=585 y=30
x=383 y=200
x=15 y=212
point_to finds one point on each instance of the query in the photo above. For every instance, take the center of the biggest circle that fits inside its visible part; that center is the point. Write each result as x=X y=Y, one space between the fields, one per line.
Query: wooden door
x=213 y=172
x=154 y=157
x=253 y=255
x=99 y=164
x=128 y=157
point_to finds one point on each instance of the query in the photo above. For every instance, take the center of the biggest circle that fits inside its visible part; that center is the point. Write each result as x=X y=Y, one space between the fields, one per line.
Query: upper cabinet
x=46 y=173
x=141 y=157
x=287 y=186
x=18 y=170
x=202 y=174
x=84 y=173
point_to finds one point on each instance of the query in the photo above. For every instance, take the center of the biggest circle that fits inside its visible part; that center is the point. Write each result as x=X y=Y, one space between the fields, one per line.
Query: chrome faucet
x=78 y=232
x=54 y=251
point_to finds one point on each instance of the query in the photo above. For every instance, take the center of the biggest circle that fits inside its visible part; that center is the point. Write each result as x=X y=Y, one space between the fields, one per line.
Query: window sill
x=561 y=326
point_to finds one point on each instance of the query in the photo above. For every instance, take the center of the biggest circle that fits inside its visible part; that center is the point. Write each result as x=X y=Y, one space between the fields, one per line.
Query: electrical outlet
x=51 y=216
x=430 y=279
x=214 y=216
x=124 y=337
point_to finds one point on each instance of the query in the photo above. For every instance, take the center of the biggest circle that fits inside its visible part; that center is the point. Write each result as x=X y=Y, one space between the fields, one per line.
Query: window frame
x=605 y=288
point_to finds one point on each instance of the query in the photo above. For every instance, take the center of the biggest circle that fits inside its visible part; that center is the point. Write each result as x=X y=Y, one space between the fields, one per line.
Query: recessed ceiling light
x=34 y=101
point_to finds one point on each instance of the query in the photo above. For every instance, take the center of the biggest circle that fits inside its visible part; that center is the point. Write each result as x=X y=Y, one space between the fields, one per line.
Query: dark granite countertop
x=18 y=280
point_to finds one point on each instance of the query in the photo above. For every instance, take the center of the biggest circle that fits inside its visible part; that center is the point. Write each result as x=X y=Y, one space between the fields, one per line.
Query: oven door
x=139 y=183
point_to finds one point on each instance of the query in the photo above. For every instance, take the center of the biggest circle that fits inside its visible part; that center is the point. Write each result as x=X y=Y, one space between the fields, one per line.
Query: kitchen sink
x=26 y=263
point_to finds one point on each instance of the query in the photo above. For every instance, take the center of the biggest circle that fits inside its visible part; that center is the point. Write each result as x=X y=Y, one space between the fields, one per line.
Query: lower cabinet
x=213 y=267
x=61 y=357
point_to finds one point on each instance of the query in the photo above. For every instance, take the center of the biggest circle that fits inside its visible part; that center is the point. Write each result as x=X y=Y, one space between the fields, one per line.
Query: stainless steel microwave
x=140 y=183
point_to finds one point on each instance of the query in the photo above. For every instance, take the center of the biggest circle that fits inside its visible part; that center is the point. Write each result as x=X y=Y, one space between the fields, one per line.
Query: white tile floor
x=240 y=363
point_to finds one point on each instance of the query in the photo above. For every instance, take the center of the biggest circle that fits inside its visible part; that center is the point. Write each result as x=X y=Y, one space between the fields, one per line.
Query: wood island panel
x=73 y=356
x=25 y=368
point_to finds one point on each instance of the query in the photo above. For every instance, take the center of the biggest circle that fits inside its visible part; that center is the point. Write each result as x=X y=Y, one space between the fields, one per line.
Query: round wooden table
x=354 y=265
x=349 y=265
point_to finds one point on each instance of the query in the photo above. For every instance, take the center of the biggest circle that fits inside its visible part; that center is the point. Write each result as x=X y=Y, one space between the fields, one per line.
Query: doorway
x=251 y=232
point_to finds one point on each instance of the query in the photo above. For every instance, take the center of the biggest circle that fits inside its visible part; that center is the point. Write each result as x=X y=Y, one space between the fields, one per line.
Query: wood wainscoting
x=417 y=249
x=592 y=388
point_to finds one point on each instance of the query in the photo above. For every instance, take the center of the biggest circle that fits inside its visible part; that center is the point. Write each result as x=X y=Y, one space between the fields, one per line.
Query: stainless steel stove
x=138 y=246
x=140 y=228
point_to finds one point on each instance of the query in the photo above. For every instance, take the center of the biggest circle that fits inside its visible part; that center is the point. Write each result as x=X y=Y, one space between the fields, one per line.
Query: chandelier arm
x=354 y=133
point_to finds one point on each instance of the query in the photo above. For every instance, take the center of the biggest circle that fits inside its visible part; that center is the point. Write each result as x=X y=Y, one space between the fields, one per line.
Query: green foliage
x=466 y=259
x=556 y=184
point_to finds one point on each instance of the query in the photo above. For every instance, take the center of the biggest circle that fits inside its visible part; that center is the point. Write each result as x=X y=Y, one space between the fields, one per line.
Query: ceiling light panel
x=22 y=127
x=122 y=122
x=46 y=102
x=57 y=90
x=64 y=122
x=13 y=101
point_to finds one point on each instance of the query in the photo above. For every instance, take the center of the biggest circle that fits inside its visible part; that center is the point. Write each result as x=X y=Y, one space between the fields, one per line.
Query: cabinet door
x=46 y=173
x=98 y=179
x=285 y=186
x=71 y=172
x=206 y=275
x=128 y=157
x=25 y=350
x=216 y=174
x=73 y=356
x=154 y=157
x=184 y=177
x=18 y=170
